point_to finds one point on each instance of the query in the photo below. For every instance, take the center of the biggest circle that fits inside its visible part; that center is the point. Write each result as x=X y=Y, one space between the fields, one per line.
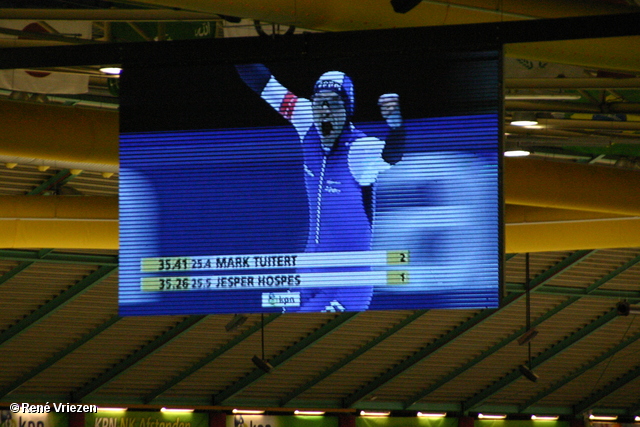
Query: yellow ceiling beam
x=518 y=214
x=340 y=15
x=573 y=235
x=613 y=53
x=537 y=229
x=56 y=132
x=578 y=193
x=62 y=222
x=75 y=134
x=91 y=222
x=58 y=234
x=62 y=208
x=564 y=185
x=84 y=135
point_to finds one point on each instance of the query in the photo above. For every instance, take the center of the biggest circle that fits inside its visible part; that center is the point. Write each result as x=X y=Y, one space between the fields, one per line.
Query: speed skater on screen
x=340 y=163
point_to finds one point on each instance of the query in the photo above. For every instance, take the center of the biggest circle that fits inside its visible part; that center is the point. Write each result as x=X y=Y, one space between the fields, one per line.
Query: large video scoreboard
x=304 y=182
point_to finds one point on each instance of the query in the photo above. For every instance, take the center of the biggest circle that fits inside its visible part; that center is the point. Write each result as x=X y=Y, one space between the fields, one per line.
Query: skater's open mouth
x=327 y=128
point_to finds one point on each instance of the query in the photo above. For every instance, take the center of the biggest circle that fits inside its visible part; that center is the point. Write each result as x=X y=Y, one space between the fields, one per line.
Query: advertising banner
x=20 y=419
x=239 y=420
x=521 y=423
x=146 y=419
x=405 y=422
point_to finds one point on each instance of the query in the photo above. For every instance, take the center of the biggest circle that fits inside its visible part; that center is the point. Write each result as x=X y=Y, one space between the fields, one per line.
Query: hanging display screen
x=310 y=184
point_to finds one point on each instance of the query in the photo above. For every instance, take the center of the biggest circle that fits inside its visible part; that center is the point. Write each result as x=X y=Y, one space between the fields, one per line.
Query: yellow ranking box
x=397 y=277
x=398 y=257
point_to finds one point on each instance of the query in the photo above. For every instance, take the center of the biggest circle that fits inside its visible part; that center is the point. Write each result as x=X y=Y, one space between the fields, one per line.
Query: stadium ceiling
x=573 y=205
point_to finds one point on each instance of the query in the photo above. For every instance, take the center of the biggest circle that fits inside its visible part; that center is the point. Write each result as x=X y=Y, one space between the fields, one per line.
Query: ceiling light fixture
x=298 y=412
x=374 y=414
x=112 y=71
x=524 y=123
x=624 y=308
x=491 y=416
x=603 y=417
x=248 y=411
x=545 y=417
x=517 y=153
x=528 y=373
x=432 y=414
x=527 y=336
x=176 y=410
x=262 y=364
x=548 y=97
x=107 y=409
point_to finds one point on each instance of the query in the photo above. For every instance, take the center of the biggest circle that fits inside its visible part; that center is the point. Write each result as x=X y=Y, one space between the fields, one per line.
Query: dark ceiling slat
x=426 y=351
x=577 y=292
x=58 y=356
x=50 y=307
x=35 y=256
x=612 y=387
x=345 y=361
x=22 y=266
x=418 y=356
x=136 y=357
x=627 y=265
x=15 y=271
x=559 y=268
x=209 y=358
x=559 y=347
x=283 y=357
x=467 y=366
x=566 y=380
x=493 y=349
x=592 y=290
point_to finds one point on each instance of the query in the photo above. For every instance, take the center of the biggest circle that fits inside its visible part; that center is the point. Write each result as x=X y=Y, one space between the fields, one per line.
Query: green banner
x=281 y=421
x=141 y=31
x=405 y=422
x=521 y=423
x=146 y=419
x=51 y=419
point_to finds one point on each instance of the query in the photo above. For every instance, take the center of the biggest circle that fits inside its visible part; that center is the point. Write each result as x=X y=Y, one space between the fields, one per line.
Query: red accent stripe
x=287 y=105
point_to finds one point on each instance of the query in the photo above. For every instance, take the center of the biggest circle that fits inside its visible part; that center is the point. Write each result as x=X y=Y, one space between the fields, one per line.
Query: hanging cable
x=262 y=333
x=260 y=362
x=527 y=302
x=527 y=370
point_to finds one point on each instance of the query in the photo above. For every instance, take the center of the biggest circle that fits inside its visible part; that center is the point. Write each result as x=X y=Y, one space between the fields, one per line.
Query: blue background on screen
x=241 y=191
